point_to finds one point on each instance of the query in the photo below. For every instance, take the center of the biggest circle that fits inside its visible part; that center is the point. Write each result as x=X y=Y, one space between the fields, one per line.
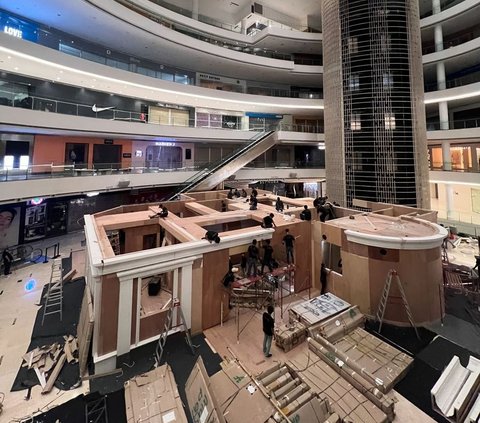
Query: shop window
x=390 y=121
x=188 y=154
x=355 y=122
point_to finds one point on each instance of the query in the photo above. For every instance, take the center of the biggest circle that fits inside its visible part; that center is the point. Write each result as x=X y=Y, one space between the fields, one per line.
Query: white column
x=443 y=112
x=449 y=200
x=441 y=78
x=436 y=7
x=475 y=167
x=124 y=328
x=186 y=300
x=438 y=37
x=175 y=295
x=195 y=9
x=446 y=156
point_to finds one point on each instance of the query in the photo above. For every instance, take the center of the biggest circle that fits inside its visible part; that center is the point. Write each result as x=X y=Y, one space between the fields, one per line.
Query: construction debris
x=153 y=398
x=47 y=361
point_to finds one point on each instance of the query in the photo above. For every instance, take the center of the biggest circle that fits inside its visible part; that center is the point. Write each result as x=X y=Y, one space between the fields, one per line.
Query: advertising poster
x=9 y=226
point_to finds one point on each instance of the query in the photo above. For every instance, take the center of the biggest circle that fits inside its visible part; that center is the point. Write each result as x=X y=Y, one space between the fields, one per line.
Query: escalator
x=217 y=172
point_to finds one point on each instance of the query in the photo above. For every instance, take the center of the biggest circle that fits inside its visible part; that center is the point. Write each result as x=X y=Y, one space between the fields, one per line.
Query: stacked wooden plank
x=456 y=393
x=339 y=325
x=376 y=361
x=153 y=398
x=47 y=361
x=351 y=405
x=384 y=402
x=289 y=335
x=294 y=398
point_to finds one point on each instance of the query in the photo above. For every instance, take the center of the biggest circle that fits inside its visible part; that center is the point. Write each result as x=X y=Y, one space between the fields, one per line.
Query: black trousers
x=6 y=267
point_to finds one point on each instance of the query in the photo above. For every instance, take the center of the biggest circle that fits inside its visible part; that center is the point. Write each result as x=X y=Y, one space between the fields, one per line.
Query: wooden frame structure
x=150 y=246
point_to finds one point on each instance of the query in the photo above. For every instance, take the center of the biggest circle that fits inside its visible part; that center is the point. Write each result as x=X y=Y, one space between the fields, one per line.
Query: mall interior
x=354 y=124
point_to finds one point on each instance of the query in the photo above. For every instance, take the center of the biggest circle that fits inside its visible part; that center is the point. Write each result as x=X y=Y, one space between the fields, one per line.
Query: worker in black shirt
x=306 y=214
x=244 y=193
x=252 y=258
x=268 y=330
x=268 y=221
x=7 y=261
x=163 y=211
x=323 y=278
x=279 y=205
x=289 y=241
x=254 y=192
x=267 y=256
x=253 y=202
x=224 y=206
x=236 y=193
x=212 y=236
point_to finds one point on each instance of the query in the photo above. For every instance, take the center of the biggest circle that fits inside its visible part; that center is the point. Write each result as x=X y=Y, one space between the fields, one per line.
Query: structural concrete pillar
x=443 y=112
x=441 y=77
x=475 y=164
x=436 y=6
x=449 y=200
x=124 y=327
x=446 y=156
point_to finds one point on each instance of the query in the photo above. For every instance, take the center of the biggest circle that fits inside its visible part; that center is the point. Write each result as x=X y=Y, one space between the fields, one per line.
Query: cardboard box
x=288 y=336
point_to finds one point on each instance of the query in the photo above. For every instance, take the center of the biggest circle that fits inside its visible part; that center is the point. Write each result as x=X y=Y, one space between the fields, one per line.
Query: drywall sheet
x=319 y=308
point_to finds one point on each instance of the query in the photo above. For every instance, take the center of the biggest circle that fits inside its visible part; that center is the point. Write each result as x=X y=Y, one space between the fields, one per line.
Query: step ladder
x=54 y=295
x=445 y=252
x=168 y=325
x=384 y=298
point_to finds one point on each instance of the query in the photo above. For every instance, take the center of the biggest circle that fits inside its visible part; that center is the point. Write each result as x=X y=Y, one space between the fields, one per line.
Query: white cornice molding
x=399 y=243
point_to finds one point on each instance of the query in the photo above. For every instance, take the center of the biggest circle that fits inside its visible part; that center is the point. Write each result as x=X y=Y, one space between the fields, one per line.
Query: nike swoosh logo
x=96 y=109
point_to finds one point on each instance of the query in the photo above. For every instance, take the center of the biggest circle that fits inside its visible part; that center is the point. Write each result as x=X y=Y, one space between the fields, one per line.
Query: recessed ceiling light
x=16 y=68
x=9 y=57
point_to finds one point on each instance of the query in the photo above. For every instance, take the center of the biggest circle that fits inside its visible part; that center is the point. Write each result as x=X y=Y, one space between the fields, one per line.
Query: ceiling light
x=452 y=97
x=318 y=106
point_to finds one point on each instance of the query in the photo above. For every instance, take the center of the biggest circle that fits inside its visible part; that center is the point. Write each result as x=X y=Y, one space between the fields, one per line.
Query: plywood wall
x=107 y=340
x=215 y=267
x=134 y=236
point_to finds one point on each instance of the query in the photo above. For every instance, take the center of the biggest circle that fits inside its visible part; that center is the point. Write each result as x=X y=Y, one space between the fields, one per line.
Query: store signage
x=211 y=77
x=108 y=141
x=14 y=32
x=127 y=155
x=165 y=144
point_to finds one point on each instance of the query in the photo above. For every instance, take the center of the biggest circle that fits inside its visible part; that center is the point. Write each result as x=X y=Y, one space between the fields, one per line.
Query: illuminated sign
x=14 y=32
x=165 y=144
x=36 y=201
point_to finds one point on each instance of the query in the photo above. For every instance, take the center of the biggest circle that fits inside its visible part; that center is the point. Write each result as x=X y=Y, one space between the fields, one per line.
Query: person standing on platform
x=243 y=265
x=230 y=194
x=323 y=278
x=268 y=330
x=254 y=192
x=253 y=202
x=268 y=222
x=252 y=259
x=224 y=206
x=279 y=205
x=7 y=262
x=236 y=193
x=289 y=241
x=267 y=256
x=163 y=211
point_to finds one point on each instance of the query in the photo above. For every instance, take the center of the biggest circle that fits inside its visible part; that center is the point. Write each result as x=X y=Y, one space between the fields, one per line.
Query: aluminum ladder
x=384 y=298
x=54 y=295
x=168 y=325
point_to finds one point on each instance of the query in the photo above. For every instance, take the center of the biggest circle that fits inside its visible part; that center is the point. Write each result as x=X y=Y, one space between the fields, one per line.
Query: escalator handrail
x=212 y=168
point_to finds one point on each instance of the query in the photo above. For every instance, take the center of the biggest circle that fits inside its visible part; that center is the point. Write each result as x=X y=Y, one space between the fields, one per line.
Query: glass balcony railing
x=451 y=42
x=126 y=167
x=471 y=78
x=22 y=100
x=220 y=41
x=453 y=124
x=444 y=5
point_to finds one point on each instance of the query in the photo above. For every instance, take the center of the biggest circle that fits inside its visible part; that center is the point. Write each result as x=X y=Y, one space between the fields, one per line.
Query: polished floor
x=240 y=338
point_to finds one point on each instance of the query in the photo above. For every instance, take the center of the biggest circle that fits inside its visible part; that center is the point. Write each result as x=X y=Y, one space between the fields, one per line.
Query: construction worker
x=268 y=221
x=267 y=256
x=252 y=259
x=289 y=241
